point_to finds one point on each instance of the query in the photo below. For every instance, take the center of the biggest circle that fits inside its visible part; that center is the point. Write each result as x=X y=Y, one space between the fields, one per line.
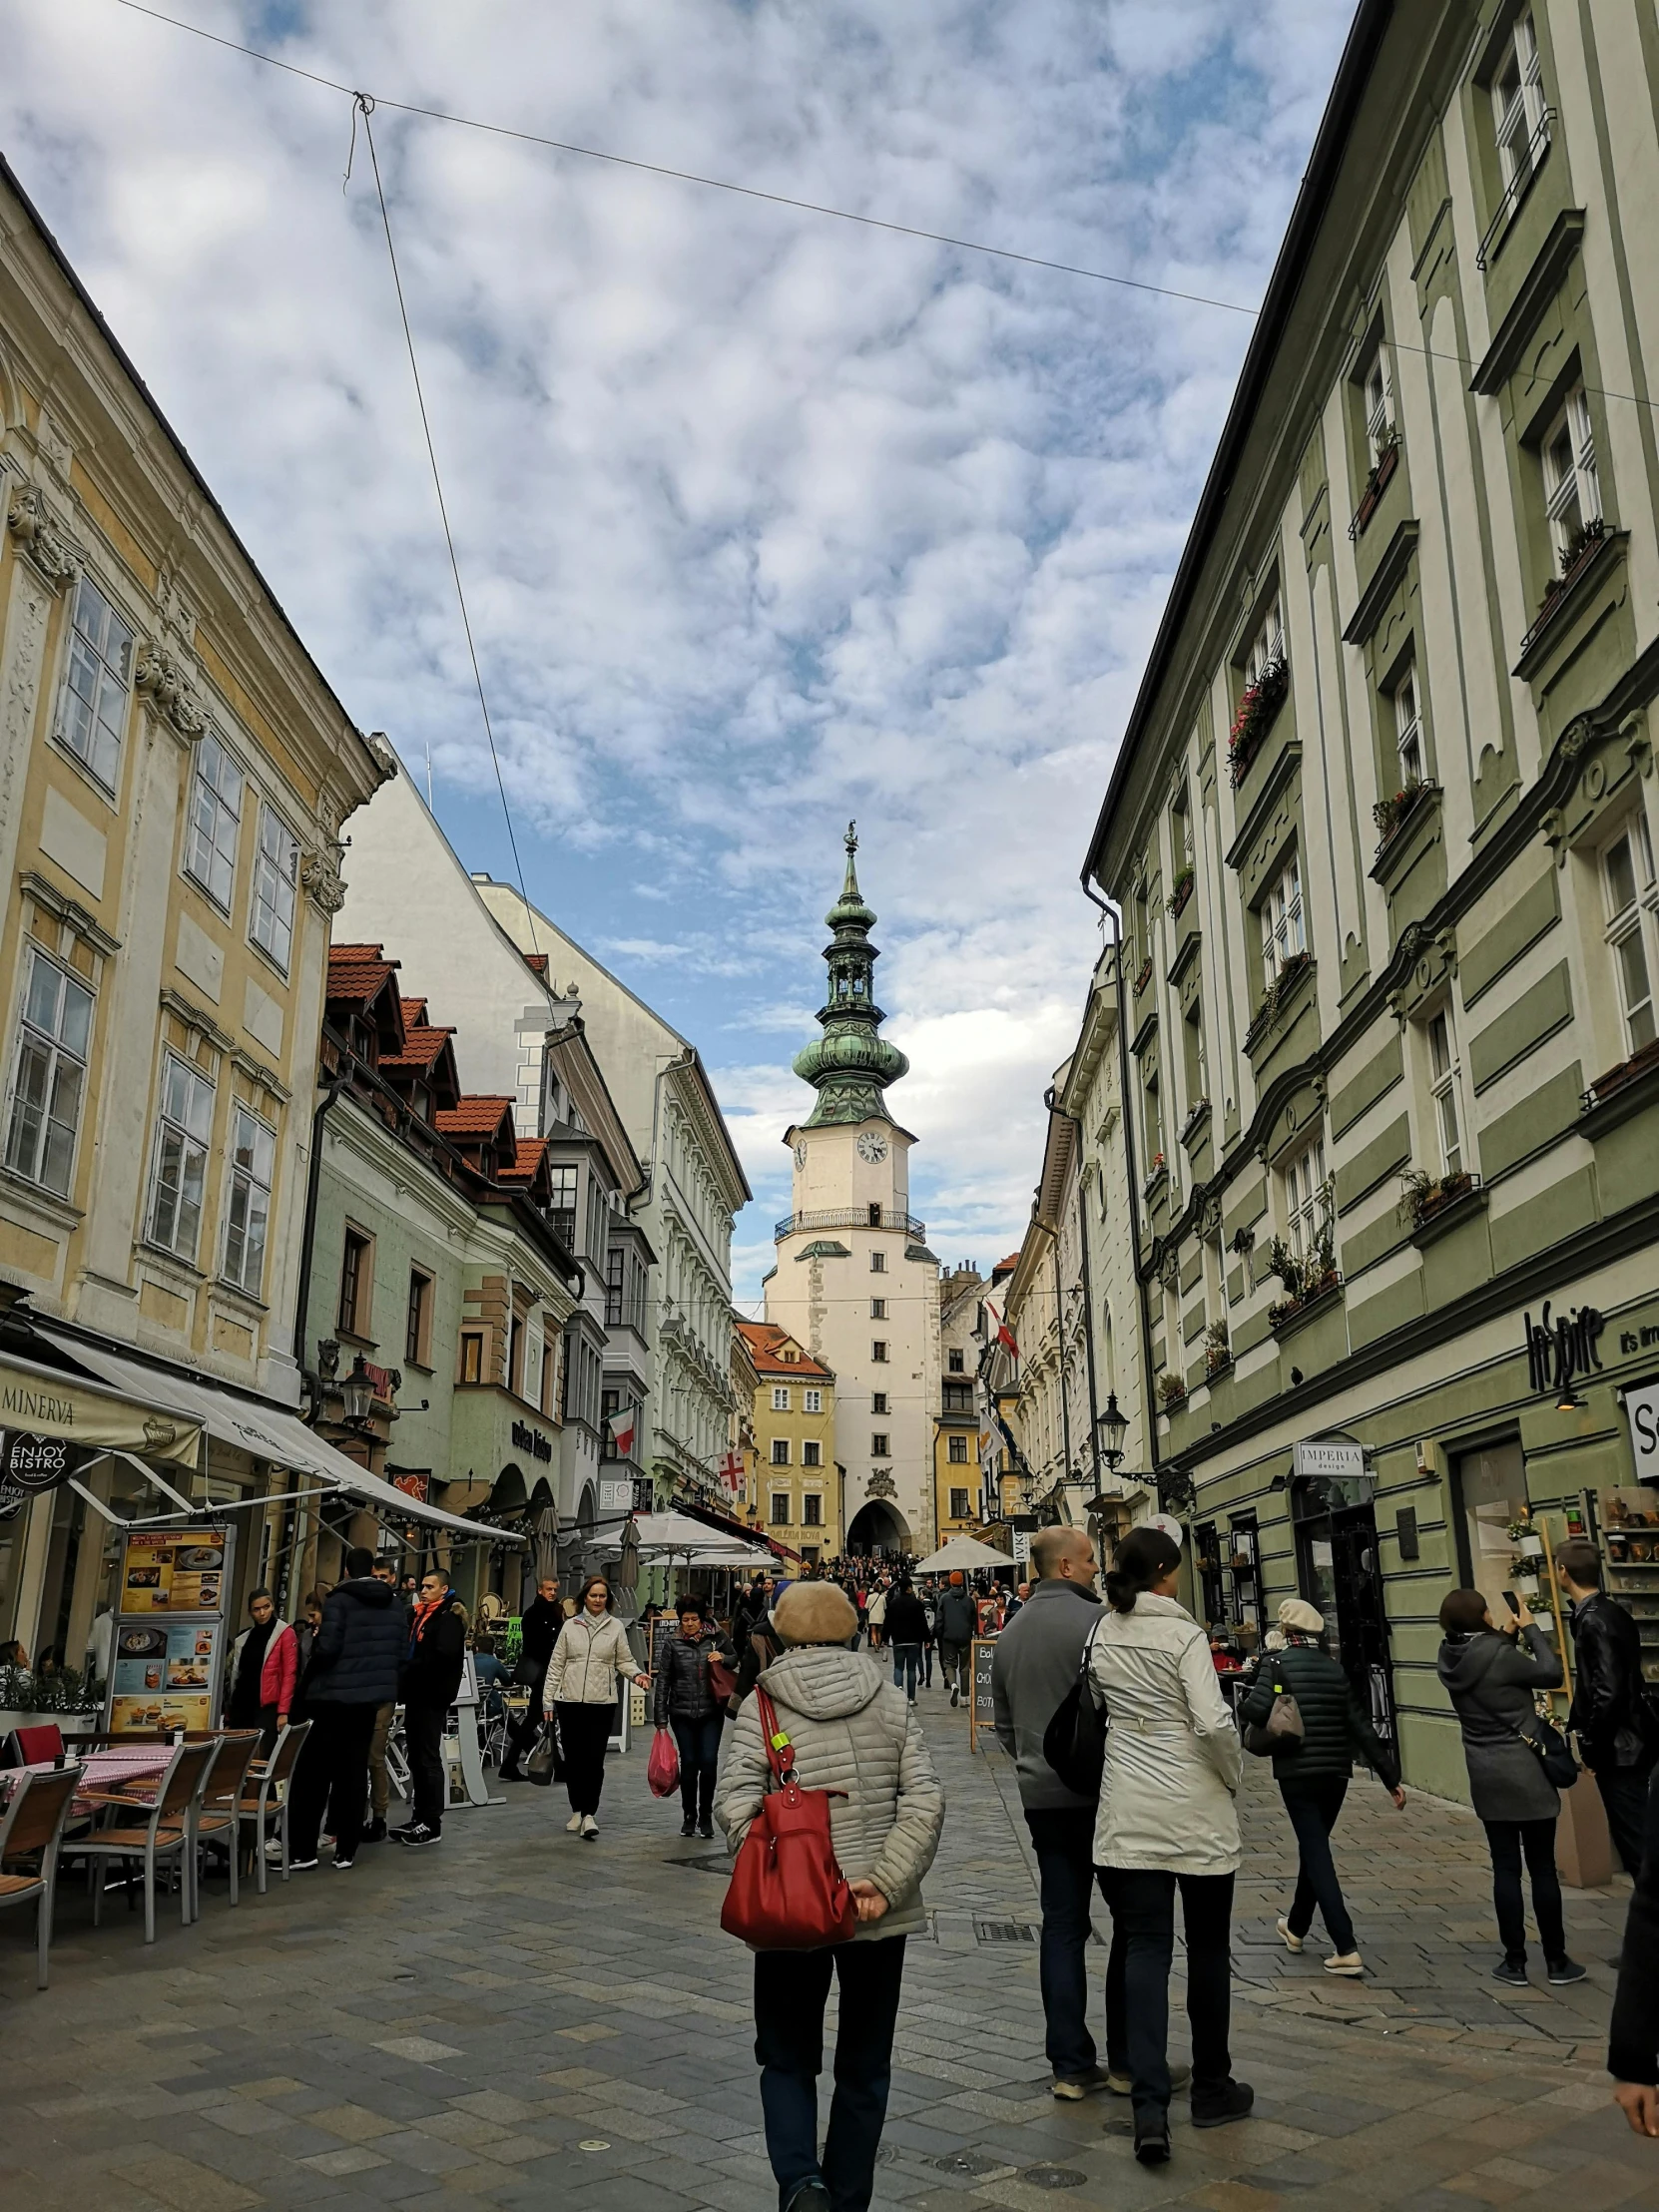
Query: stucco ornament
x=321 y=880
x=165 y=686
x=55 y=556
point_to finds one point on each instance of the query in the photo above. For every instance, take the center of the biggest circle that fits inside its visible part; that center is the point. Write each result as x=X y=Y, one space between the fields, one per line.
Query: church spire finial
x=851 y=1064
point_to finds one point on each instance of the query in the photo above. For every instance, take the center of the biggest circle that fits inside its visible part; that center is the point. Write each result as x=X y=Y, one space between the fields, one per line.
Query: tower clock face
x=801 y=1155
x=872 y=1146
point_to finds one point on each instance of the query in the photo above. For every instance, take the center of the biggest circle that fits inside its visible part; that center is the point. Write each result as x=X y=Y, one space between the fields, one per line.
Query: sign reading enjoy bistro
x=1561 y=1349
x=29 y=1465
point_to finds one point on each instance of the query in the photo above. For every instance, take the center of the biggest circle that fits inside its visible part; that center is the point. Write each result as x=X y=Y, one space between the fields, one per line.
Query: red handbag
x=787 y=1893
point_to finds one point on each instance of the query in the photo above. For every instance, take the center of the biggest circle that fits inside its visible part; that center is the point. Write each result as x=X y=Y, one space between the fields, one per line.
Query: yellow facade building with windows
x=795 y=1474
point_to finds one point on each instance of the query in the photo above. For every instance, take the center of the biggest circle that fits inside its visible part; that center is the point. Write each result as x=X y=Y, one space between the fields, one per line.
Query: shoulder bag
x=1284 y=1729
x=1552 y=1750
x=787 y=1892
x=1074 y=1742
x=544 y=1765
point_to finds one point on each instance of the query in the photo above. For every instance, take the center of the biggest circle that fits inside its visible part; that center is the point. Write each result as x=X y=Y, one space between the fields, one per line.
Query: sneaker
x=688 y=1827
x=1562 y=1971
x=573 y=1827
x=300 y=1865
x=1292 y=1943
x=706 y=1829
x=342 y=1865
x=1152 y=2149
x=955 y=1696
x=590 y=1828
x=274 y=1852
x=416 y=1836
x=811 y=2196
x=375 y=1831
x=1072 y=2088
x=1346 y=1961
x=1121 y=2083
x=1215 y=2108
x=1512 y=1971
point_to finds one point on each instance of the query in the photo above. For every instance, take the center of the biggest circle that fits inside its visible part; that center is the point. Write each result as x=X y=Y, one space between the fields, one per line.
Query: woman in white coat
x=1167 y=1819
x=590 y=1660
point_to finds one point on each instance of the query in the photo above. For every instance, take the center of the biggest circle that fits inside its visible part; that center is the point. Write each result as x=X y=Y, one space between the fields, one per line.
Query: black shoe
x=1566 y=1969
x=375 y=1831
x=811 y=2196
x=416 y=1836
x=688 y=1827
x=706 y=1829
x=1215 y=2108
x=508 y=1774
x=1512 y=1970
x=1152 y=2149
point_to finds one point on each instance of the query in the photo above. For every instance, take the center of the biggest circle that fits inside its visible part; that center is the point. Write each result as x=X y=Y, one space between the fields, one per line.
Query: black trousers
x=1064 y=1841
x=790 y=1991
x=1143 y=1907
x=428 y=1784
x=521 y=1735
x=1314 y=1808
x=1624 y=1795
x=1507 y=1841
x=584 y=1731
x=332 y=1776
x=699 y=1743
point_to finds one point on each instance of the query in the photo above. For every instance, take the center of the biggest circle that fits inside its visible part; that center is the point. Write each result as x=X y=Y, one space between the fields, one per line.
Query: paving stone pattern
x=517 y=2019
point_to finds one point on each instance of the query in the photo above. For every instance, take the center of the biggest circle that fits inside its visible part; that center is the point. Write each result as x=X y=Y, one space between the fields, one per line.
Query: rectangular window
x=49 y=1079
x=1519 y=106
x=248 y=1210
x=878 y=1401
x=874 y=1217
x=215 y=821
x=780 y=1398
x=1378 y=385
x=184 y=1130
x=614 y=1260
x=960 y=1508
x=958 y=1398
x=957 y=1451
x=1282 y=932
x=878 y=1350
x=780 y=1451
x=276 y=879
x=812 y=1452
x=94 y=709
x=956 y=1362
x=417 y=1333
x=355 y=1271
x=812 y=1402
x=1572 y=488
x=610 y=1402
x=877 y=1262
x=473 y=1355
x=1409 y=727
x=1626 y=872
x=561 y=1205
x=1266 y=647
x=780 y=1509
x=878 y=1309
x=1305 y=1199
x=811 y=1512
x=1443 y=1077
x=878 y=1444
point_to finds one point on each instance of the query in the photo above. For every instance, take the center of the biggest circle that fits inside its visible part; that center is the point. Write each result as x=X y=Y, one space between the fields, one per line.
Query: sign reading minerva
x=39 y=1406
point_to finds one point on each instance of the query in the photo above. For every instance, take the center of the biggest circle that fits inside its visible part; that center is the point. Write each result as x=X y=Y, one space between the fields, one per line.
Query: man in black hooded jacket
x=427 y=1682
x=351 y=1671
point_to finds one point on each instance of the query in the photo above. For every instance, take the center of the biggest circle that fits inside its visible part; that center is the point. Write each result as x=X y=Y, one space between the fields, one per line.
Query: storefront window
x=1491 y=1492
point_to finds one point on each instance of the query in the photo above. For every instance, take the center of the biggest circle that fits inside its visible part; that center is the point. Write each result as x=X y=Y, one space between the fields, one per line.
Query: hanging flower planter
x=1254 y=717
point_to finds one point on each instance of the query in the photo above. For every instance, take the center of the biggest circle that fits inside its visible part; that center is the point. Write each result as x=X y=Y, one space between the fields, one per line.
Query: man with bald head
x=1036 y=1663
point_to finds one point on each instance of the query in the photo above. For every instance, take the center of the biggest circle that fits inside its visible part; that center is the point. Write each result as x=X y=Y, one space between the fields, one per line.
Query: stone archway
x=877 y=1527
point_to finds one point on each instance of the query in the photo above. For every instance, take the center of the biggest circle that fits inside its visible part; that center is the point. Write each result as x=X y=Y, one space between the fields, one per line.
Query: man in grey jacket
x=1037 y=1659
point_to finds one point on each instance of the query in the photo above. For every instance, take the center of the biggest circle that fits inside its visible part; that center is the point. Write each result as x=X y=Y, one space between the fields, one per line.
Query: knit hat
x=956 y=1579
x=1296 y=1612
x=815 y=1613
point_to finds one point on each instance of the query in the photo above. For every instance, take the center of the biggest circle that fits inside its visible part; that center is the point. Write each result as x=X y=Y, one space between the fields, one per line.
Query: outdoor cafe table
x=115 y=1769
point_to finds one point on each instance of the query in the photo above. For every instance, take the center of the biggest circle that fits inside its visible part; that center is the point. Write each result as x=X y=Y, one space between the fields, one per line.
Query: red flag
x=1005 y=1336
x=622 y=1427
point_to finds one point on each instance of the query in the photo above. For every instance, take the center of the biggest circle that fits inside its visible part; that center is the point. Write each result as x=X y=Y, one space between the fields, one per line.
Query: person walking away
x=1633 y=2044
x=1166 y=1821
x=906 y=1628
x=590 y=1661
x=1313 y=1771
x=1492 y=1672
x=851 y=1731
x=931 y=1613
x=1610 y=1713
x=355 y=1656
x=428 y=1683
x=958 y=1623
x=379 y=1776
x=538 y=1630
x=1034 y=1667
x=264 y=1672
x=764 y=1646
x=685 y=1701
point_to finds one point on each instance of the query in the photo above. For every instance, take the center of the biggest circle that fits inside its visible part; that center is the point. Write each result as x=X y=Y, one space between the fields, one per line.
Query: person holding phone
x=1492 y=1671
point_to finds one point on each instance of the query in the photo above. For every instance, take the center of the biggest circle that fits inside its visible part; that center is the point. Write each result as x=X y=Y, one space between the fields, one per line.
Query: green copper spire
x=850 y=1065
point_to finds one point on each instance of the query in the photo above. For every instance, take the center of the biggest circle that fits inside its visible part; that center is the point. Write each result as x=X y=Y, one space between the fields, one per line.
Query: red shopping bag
x=787 y=1891
x=662 y=1769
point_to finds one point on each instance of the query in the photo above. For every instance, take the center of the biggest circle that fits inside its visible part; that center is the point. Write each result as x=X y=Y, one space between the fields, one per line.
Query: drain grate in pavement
x=1053 y=2177
x=1004 y=1931
x=972 y=2162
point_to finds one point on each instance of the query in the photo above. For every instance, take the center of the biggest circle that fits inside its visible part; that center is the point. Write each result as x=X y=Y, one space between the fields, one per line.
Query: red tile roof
x=473 y=1117
x=531 y=1153
x=358 y=971
x=765 y=1342
x=422 y=1044
x=537 y=962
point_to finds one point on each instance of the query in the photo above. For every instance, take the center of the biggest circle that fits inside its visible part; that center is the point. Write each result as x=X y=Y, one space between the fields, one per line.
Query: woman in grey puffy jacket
x=851 y=1731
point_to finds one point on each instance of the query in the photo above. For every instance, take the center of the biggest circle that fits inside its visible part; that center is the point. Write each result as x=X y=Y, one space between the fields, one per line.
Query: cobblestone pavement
x=521 y=2019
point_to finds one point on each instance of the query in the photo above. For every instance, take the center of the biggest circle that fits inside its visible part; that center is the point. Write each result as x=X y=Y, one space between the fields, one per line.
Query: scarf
x=423 y=1615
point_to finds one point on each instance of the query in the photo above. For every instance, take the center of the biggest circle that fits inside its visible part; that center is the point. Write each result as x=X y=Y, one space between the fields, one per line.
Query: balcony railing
x=854 y=1217
x=1520 y=185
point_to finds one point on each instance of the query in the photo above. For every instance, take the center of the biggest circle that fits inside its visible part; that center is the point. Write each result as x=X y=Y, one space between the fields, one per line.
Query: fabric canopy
x=271 y=1434
x=41 y=1402
x=665 y=1537
x=960 y=1554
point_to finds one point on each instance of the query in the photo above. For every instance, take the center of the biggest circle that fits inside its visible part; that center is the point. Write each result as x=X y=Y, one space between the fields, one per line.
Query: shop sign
x=29 y=1465
x=526 y=1438
x=1559 y=1349
x=616 y=1493
x=1642 y=1411
x=1330 y=1462
x=412 y=1485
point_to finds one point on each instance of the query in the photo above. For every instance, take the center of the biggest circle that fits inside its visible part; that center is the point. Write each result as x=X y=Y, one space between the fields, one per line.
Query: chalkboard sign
x=981 y=1706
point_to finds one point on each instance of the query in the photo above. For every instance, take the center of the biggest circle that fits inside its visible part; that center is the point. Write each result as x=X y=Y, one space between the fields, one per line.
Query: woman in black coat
x=685 y=1701
x=1314 y=1771
x=1492 y=1672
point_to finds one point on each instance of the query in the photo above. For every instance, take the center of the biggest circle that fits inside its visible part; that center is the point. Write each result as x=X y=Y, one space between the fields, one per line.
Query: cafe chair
x=219 y=1812
x=266 y=1794
x=37 y=1747
x=168 y=1834
x=31 y=1830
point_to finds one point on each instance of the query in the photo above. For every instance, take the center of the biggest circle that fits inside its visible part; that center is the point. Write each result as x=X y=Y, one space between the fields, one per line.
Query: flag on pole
x=731 y=1470
x=622 y=1427
x=1005 y=1336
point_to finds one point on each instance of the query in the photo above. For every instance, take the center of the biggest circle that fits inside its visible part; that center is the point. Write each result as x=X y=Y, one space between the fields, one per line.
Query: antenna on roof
x=430 y=808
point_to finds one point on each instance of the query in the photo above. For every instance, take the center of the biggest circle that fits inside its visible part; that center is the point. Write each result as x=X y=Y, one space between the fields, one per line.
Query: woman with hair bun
x=1167 y=1819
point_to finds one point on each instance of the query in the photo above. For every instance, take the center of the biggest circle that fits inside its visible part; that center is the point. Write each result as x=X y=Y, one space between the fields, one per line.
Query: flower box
x=1178 y=896
x=1284 y=1311
x=1606 y=1086
x=1144 y=977
x=1427 y=1194
x=1376 y=483
x=1576 y=558
x=1274 y=998
x=1155 y=1174
x=1254 y=717
x=1197 y=1115
x=1391 y=815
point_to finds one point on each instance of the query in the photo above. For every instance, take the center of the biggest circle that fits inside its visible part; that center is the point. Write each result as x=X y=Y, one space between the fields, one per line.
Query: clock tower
x=855 y=1282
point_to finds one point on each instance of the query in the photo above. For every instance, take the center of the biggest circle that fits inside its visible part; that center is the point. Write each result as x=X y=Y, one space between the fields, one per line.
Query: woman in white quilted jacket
x=853 y=1731
x=1167 y=1820
x=591 y=1659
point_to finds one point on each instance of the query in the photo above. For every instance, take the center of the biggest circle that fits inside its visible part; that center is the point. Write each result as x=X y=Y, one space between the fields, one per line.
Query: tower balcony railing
x=851 y=1217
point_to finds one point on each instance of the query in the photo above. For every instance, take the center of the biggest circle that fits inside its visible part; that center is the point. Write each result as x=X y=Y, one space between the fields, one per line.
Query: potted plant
x=1180 y=893
x=1257 y=708
x=1423 y=1195
x=1156 y=1169
x=1218 y=1350
x=1172 y=1392
x=1388 y=813
x=1525 y=1538
x=30 y=1700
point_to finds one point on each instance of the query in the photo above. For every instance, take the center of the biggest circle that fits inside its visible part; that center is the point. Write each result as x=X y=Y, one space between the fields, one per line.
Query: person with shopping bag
x=848 y=1731
x=687 y=1700
x=591 y=1659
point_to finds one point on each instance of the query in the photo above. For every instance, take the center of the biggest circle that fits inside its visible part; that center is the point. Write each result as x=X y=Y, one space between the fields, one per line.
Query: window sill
x=1515 y=195
x=61 y=1212
x=1621 y=1093
x=1449 y=1215
x=1596 y=557
x=186 y=1270
x=249 y=1300
x=1306 y=1309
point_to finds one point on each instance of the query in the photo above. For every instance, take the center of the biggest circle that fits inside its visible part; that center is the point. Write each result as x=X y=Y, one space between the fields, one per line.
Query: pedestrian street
x=518 y=2019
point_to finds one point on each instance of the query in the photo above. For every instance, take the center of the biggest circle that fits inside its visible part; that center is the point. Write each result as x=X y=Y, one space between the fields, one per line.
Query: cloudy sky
x=765 y=520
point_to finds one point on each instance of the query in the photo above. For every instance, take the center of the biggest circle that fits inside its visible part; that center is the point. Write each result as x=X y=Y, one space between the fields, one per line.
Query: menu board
x=164 y=1674
x=179 y=1571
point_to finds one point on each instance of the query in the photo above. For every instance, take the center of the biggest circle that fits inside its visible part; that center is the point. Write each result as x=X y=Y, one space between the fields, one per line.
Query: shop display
x=169 y=1644
x=1630 y=1562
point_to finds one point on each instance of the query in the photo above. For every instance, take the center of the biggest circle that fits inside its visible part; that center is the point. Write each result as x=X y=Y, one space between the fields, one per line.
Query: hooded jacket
x=683 y=1690
x=357 y=1653
x=1609 y=1706
x=957 y=1620
x=1035 y=1666
x=434 y=1656
x=906 y=1619
x=1492 y=1680
x=278 y=1669
x=1172 y=1753
x=853 y=1731
x=538 y=1633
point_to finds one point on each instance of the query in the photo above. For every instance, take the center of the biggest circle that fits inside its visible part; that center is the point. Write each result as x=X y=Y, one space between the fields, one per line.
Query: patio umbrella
x=960 y=1555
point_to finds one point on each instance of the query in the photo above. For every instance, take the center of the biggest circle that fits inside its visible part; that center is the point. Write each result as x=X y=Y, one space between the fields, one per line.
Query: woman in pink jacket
x=264 y=1672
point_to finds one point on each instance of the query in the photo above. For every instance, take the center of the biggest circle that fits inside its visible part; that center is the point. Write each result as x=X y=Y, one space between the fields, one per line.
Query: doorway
x=1338 y=1571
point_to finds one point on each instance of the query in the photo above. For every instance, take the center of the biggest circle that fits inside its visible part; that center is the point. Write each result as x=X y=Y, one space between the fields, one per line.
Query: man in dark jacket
x=1037 y=1659
x=351 y=1670
x=957 y=1625
x=906 y=1633
x=539 y=1630
x=1609 y=1705
x=427 y=1682
x=1633 y=2050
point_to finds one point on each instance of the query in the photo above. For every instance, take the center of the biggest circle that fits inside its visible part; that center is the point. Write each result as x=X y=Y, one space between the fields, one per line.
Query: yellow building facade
x=795 y=1475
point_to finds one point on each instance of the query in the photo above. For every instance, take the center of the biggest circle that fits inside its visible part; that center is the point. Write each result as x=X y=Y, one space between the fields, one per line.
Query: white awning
x=271 y=1434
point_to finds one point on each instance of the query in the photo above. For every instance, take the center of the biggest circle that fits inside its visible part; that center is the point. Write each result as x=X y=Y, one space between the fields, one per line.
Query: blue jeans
x=1064 y=1841
x=1142 y=1899
x=699 y=1743
x=907 y=1668
x=790 y=1989
x=1314 y=1810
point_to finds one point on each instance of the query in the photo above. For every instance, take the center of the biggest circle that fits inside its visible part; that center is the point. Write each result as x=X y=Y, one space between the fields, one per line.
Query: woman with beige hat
x=1313 y=1771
